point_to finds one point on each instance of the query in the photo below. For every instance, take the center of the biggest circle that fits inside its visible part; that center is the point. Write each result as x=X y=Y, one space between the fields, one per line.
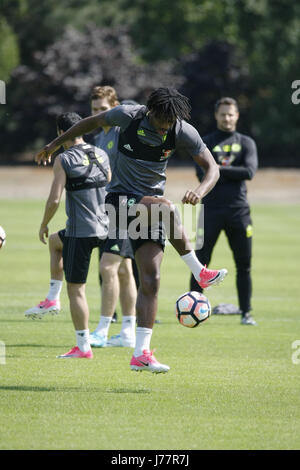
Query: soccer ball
x=192 y=308
x=2 y=236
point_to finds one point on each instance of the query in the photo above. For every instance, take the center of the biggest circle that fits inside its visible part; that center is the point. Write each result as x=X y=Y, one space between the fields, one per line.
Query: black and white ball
x=192 y=309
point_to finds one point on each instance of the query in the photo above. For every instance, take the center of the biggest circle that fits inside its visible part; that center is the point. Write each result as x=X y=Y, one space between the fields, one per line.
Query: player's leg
x=239 y=235
x=56 y=265
x=115 y=315
x=76 y=261
x=209 y=227
x=80 y=317
x=128 y=290
x=180 y=241
x=115 y=250
x=56 y=259
x=78 y=305
x=135 y=273
x=128 y=294
x=148 y=258
x=51 y=304
x=110 y=290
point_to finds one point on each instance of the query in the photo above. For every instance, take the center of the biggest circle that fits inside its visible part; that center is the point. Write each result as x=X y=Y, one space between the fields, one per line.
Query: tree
x=246 y=48
x=9 y=50
x=217 y=70
x=270 y=35
x=62 y=76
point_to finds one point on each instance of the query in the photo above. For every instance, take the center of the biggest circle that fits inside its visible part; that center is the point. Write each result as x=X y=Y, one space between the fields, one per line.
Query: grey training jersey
x=143 y=177
x=85 y=207
x=109 y=142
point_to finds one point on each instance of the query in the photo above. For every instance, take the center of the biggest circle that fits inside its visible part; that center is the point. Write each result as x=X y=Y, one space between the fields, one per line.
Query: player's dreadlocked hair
x=168 y=104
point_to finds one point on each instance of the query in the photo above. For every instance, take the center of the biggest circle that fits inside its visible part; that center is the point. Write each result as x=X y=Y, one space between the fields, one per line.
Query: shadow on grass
x=34 y=346
x=24 y=388
x=128 y=390
x=27 y=388
x=42 y=354
x=36 y=320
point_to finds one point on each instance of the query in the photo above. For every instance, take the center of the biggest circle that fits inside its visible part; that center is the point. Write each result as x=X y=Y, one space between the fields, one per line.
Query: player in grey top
x=85 y=207
x=108 y=141
x=83 y=170
x=148 y=137
x=116 y=273
x=138 y=174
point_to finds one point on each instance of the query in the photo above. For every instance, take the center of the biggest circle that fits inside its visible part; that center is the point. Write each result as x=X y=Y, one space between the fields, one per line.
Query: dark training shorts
x=77 y=256
x=126 y=201
x=118 y=246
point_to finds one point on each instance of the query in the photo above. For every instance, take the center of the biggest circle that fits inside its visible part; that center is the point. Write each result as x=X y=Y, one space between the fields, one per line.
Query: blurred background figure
x=226 y=207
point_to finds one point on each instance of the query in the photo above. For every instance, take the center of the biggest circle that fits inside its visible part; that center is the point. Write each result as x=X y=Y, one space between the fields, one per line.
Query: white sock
x=103 y=326
x=193 y=263
x=143 y=338
x=128 y=327
x=54 y=289
x=82 y=338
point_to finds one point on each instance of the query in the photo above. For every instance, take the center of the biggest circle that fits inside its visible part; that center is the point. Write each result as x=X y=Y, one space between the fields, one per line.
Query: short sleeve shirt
x=137 y=176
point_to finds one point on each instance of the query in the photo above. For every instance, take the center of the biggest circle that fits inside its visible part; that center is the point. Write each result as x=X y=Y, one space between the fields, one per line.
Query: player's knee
x=52 y=238
x=108 y=270
x=125 y=270
x=76 y=290
x=167 y=206
x=243 y=265
x=149 y=282
x=55 y=242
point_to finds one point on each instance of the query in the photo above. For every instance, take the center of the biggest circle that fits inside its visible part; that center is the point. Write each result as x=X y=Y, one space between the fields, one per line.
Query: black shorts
x=62 y=234
x=77 y=256
x=122 y=203
x=117 y=246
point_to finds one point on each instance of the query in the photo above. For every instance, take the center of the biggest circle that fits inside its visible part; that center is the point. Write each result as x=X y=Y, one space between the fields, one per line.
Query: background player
x=226 y=207
x=84 y=171
x=116 y=265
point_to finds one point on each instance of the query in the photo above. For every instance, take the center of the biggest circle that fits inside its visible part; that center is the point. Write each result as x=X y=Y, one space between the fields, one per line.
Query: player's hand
x=191 y=197
x=44 y=232
x=44 y=156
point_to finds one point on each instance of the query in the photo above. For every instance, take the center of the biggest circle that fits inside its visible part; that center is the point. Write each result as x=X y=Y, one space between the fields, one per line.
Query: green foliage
x=9 y=50
x=270 y=35
x=62 y=76
x=249 y=49
x=178 y=27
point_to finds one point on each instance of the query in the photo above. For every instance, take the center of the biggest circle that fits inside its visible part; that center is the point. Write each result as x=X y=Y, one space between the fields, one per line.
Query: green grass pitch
x=229 y=386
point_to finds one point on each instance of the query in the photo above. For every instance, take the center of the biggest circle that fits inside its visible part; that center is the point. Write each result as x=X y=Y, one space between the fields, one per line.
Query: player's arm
x=84 y=126
x=57 y=187
x=211 y=176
